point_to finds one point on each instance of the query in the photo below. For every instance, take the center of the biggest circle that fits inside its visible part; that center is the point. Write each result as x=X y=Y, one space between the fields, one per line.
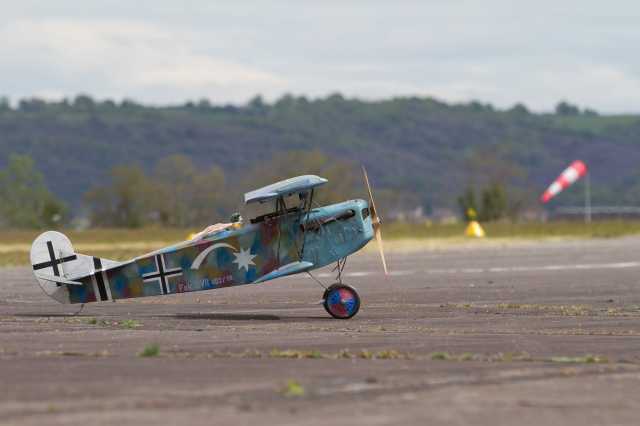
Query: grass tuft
x=129 y=323
x=467 y=356
x=151 y=350
x=293 y=389
x=510 y=357
x=586 y=359
x=440 y=356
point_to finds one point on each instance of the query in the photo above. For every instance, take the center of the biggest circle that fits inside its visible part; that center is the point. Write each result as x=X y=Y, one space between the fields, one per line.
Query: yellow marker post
x=473 y=229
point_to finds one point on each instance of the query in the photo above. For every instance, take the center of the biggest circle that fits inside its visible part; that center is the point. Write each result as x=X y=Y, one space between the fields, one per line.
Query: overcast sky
x=503 y=52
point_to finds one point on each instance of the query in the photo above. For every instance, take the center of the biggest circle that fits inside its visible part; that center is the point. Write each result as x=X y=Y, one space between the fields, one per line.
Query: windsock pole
x=587 y=198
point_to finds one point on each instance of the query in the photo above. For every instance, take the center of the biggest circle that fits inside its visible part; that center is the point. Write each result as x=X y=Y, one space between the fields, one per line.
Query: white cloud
x=126 y=59
x=497 y=51
x=607 y=86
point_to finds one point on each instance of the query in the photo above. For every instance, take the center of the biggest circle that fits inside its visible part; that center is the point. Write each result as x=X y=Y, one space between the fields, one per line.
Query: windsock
x=571 y=174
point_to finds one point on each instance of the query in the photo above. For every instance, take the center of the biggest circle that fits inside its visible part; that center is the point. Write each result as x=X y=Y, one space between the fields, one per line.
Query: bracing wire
x=316 y=280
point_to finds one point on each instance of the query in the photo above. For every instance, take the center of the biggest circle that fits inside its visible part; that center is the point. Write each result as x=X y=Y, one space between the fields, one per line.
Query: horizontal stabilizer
x=57 y=280
x=288 y=269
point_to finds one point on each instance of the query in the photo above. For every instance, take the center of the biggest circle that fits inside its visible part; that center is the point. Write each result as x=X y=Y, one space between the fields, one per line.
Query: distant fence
x=597 y=212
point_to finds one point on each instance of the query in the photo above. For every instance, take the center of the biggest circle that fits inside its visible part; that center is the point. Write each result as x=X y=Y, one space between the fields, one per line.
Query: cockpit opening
x=291 y=203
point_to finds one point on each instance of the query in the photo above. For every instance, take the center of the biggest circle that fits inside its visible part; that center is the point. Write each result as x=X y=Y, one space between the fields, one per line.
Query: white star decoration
x=244 y=259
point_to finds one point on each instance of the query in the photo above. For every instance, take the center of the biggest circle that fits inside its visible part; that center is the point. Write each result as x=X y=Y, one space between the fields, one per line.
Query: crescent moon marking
x=200 y=258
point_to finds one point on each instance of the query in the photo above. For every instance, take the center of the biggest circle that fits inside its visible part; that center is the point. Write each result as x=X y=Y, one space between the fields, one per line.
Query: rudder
x=56 y=265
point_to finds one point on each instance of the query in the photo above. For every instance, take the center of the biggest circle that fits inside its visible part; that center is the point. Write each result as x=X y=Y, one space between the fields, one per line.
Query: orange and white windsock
x=571 y=174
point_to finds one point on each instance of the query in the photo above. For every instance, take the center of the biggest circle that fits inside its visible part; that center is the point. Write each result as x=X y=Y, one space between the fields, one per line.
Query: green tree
x=25 y=200
x=499 y=178
x=257 y=104
x=467 y=204
x=567 y=109
x=418 y=145
x=33 y=105
x=204 y=104
x=186 y=196
x=54 y=212
x=126 y=202
x=493 y=165
x=345 y=177
x=210 y=201
x=519 y=110
x=494 y=203
x=176 y=194
x=84 y=103
x=4 y=104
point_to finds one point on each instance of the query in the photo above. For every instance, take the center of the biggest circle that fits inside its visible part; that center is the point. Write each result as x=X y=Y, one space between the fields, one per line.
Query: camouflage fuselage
x=236 y=256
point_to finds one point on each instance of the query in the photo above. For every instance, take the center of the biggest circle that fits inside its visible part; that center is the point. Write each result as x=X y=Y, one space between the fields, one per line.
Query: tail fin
x=56 y=265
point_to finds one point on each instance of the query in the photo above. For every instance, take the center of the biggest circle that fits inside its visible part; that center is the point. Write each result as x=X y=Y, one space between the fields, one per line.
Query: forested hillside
x=427 y=150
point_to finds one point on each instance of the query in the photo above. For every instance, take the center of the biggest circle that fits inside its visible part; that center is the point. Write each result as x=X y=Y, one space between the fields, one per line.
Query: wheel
x=341 y=301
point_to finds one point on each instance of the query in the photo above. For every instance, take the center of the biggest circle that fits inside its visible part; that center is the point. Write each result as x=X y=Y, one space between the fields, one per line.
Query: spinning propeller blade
x=380 y=248
x=375 y=221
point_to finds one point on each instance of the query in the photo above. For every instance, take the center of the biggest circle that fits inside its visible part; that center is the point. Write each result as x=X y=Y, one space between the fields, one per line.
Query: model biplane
x=294 y=237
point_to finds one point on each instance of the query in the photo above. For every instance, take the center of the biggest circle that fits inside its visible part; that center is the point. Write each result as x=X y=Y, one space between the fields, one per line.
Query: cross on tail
x=53 y=261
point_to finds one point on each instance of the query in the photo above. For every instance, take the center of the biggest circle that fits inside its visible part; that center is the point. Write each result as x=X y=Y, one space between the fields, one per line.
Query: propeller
x=375 y=221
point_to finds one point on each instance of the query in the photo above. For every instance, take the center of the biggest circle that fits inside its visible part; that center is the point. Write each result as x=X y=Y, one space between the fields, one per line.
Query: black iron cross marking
x=162 y=274
x=53 y=262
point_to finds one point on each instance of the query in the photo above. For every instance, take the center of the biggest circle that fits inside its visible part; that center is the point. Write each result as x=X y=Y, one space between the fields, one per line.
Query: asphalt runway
x=488 y=334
